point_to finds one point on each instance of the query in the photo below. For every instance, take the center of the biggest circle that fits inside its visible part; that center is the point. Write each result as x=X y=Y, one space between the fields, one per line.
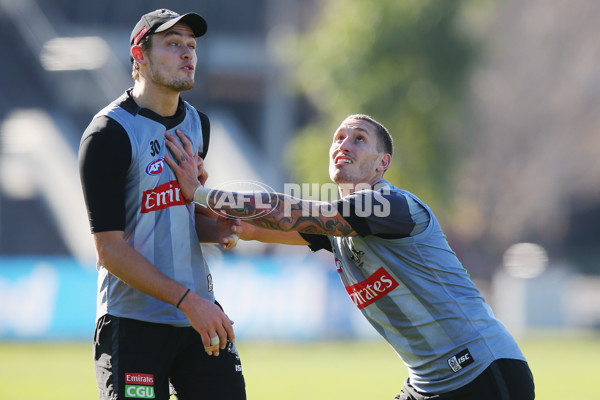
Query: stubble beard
x=340 y=177
x=175 y=84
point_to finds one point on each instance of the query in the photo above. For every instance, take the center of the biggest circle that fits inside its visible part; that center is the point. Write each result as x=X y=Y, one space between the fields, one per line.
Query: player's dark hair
x=385 y=142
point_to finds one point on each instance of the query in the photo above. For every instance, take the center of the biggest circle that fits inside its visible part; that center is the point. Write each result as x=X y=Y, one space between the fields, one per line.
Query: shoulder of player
x=380 y=192
x=105 y=127
x=389 y=191
x=106 y=136
x=202 y=115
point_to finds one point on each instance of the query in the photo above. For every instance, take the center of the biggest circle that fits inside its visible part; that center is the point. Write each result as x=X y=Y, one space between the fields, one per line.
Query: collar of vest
x=127 y=103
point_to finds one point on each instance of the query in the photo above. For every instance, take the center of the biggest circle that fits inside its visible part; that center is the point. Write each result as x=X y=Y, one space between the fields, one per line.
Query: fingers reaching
x=229 y=242
x=187 y=145
x=228 y=231
x=184 y=162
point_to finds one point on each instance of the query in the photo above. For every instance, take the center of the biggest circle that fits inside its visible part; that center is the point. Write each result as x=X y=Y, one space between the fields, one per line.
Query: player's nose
x=188 y=53
x=345 y=145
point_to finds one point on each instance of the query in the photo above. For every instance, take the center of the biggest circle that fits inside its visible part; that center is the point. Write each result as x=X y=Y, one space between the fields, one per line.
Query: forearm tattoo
x=282 y=212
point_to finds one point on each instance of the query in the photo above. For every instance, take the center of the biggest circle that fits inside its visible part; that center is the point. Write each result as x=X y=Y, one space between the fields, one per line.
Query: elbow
x=105 y=244
x=103 y=253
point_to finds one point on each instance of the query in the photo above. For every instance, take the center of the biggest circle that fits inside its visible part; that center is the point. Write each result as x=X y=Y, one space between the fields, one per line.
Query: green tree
x=404 y=62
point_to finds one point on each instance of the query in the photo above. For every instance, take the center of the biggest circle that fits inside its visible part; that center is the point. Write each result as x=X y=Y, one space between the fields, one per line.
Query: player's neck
x=162 y=101
x=347 y=188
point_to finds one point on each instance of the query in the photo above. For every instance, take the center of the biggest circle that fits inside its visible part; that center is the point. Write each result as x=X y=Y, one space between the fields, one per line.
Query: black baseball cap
x=163 y=19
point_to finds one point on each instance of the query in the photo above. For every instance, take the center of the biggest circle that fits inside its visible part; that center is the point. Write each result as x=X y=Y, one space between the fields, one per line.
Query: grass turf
x=563 y=367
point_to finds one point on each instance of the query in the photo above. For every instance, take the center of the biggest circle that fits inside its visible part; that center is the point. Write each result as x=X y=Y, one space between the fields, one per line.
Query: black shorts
x=136 y=359
x=504 y=379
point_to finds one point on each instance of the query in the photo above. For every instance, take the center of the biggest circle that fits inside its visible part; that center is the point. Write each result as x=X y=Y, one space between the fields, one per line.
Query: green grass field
x=565 y=367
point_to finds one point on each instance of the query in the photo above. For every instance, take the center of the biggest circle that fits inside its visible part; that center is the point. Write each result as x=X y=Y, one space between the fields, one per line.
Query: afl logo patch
x=339 y=266
x=155 y=167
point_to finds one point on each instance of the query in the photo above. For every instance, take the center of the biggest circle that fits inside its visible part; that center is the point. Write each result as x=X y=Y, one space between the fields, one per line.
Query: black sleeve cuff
x=317 y=242
x=348 y=212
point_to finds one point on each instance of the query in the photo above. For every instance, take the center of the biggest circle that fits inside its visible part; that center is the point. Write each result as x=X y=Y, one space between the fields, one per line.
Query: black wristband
x=182 y=297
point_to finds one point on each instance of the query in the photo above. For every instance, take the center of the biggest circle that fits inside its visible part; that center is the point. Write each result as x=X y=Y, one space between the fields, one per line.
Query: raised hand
x=188 y=168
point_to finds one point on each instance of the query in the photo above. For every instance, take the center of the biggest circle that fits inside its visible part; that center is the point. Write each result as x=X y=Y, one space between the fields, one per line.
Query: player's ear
x=137 y=54
x=384 y=162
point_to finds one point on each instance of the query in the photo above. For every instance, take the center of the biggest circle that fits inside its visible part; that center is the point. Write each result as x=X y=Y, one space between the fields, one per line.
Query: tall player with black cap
x=157 y=318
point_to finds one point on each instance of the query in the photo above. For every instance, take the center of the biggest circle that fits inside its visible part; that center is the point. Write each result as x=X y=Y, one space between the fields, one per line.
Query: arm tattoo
x=282 y=212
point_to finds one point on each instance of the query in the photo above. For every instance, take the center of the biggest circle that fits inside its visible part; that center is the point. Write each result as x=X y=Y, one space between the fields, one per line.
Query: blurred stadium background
x=492 y=106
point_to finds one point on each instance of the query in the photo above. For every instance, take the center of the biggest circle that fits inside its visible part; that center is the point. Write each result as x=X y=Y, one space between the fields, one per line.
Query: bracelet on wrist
x=182 y=297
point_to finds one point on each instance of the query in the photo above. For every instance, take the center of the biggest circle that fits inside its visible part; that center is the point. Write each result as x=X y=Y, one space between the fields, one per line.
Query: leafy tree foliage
x=403 y=62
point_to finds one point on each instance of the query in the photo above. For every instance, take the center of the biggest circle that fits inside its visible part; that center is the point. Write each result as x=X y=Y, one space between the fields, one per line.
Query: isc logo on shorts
x=139 y=386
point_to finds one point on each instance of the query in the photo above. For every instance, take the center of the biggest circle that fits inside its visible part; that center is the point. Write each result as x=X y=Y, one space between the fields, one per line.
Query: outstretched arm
x=274 y=211
x=248 y=231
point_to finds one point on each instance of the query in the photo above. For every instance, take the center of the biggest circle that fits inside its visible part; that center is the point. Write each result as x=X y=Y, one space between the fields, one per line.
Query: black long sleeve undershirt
x=104 y=158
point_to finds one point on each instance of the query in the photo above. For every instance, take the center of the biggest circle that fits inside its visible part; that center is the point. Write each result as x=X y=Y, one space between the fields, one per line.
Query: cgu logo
x=139 y=392
x=372 y=289
x=161 y=197
x=155 y=167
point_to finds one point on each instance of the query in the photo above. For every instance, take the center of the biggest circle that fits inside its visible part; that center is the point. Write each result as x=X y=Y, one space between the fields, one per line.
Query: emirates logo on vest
x=139 y=379
x=372 y=289
x=161 y=197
